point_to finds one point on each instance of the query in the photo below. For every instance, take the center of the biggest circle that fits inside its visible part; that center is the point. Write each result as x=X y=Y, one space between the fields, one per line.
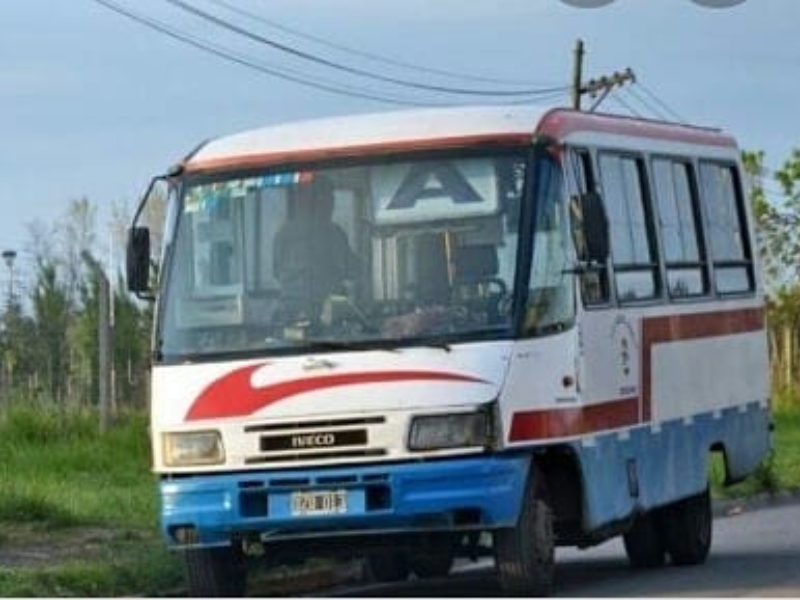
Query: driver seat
x=475 y=264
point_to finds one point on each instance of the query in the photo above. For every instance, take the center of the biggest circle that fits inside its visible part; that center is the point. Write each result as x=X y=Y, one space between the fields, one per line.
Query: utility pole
x=577 y=74
x=601 y=86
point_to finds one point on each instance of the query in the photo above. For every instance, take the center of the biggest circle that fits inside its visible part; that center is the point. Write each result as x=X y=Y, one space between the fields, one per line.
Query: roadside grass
x=78 y=510
x=58 y=468
x=119 y=564
x=780 y=471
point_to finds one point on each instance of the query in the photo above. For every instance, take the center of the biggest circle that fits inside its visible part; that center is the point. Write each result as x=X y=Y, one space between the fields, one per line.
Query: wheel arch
x=718 y=459
x=559 y=467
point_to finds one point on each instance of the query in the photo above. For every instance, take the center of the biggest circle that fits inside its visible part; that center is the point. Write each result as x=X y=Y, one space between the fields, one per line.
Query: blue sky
x=93 y=104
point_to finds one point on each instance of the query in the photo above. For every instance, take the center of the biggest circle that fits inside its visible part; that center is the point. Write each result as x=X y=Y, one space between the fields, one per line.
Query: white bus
x=417 y=335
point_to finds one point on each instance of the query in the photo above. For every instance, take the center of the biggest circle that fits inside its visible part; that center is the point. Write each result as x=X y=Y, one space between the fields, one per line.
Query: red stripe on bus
x=675 y=328
x=234 y=395
x=567 y=422
x=265 y=159
x=625 y=412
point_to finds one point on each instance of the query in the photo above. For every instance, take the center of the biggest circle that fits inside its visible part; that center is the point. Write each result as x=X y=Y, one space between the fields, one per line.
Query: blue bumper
x=465 y=493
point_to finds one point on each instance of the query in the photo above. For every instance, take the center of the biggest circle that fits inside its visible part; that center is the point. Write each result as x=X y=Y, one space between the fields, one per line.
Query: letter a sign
x=434 y=190
x=428 y=181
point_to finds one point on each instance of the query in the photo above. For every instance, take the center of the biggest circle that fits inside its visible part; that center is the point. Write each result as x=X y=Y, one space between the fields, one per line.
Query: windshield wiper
x=437 y=345
x=325 y=345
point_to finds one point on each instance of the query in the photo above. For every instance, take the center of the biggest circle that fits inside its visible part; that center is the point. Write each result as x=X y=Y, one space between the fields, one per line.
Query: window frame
x=747 y=262
x=655 y=267
x=700 y=230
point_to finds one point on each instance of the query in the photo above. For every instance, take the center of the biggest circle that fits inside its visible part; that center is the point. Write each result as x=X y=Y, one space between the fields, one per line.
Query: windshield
x=393 y=252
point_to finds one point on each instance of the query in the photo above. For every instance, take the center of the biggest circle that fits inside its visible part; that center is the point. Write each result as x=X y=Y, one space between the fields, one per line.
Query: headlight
x=193 y=448
x=439 y=432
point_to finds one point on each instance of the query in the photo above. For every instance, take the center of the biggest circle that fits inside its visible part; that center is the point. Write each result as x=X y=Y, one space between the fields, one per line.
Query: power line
x=556 y=94
x=380 y=58
x=661 y=103
x=618 y=99
x=281 y=73
x=654 y=110
x=349 y=69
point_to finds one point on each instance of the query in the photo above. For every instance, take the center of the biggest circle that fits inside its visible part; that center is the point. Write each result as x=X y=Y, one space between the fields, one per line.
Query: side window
x=679 y=220
x=551 y=303
x=723 y=205
x=632 y=244
x=581 y=179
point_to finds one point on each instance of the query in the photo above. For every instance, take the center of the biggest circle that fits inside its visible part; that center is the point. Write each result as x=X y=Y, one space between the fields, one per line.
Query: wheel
x=687 y=527
x=434 y=557
x=525 y=555
x=388 y=567
x=644 y=542
x=215 y=572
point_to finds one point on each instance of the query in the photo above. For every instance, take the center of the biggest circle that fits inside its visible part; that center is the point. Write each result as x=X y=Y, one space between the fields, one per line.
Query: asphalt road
x=756 y=552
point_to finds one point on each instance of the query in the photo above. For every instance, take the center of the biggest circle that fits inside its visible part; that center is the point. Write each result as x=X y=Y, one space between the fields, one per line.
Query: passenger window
x=630 y=227
x=679 y=218
x=723 y=204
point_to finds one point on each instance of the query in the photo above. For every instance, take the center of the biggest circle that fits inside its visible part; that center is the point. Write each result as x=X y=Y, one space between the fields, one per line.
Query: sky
x=93 y=104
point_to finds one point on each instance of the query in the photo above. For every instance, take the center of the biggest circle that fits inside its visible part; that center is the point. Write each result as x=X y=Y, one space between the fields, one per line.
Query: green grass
x=122 y=565
x=58 y=468
x=780 y=471
x=62 y=483
x=786 y=460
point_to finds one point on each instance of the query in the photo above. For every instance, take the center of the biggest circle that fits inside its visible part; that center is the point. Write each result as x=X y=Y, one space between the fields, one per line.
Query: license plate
x=323 y=502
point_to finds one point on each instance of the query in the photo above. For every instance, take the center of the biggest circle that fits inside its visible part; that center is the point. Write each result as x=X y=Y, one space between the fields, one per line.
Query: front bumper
x=455 y=494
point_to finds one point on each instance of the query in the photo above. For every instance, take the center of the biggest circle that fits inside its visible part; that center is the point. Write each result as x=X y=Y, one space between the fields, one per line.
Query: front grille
x=315 y=440
x=255 y=460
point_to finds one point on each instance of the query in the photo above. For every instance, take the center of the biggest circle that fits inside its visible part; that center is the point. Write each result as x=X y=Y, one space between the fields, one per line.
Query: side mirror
x=592 y=240
x=137 y=260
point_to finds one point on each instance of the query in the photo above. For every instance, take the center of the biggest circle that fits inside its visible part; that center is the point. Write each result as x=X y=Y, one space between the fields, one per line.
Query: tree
x=51 y=313
x=131 y=347
x=76 y=235
x=132 y=319
x=778 y=229
x=17 y=354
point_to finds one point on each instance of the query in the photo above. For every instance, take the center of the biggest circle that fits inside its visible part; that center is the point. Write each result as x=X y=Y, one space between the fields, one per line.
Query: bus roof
x=409 y=130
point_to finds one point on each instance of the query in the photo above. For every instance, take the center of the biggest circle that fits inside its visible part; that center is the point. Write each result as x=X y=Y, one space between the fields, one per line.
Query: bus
x=415 y=336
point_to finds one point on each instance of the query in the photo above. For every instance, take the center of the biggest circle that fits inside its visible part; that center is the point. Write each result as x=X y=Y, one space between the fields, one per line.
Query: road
x=756 y=552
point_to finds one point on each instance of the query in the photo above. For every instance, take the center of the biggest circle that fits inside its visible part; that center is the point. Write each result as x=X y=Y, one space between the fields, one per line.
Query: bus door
x=609 y=322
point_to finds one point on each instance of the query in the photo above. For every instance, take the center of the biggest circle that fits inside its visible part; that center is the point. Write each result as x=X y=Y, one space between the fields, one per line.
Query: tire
x=434 y=557
x=215 y=572
x=388 y=567
x=644 y=542
x=525 y=554
x=688 y=526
